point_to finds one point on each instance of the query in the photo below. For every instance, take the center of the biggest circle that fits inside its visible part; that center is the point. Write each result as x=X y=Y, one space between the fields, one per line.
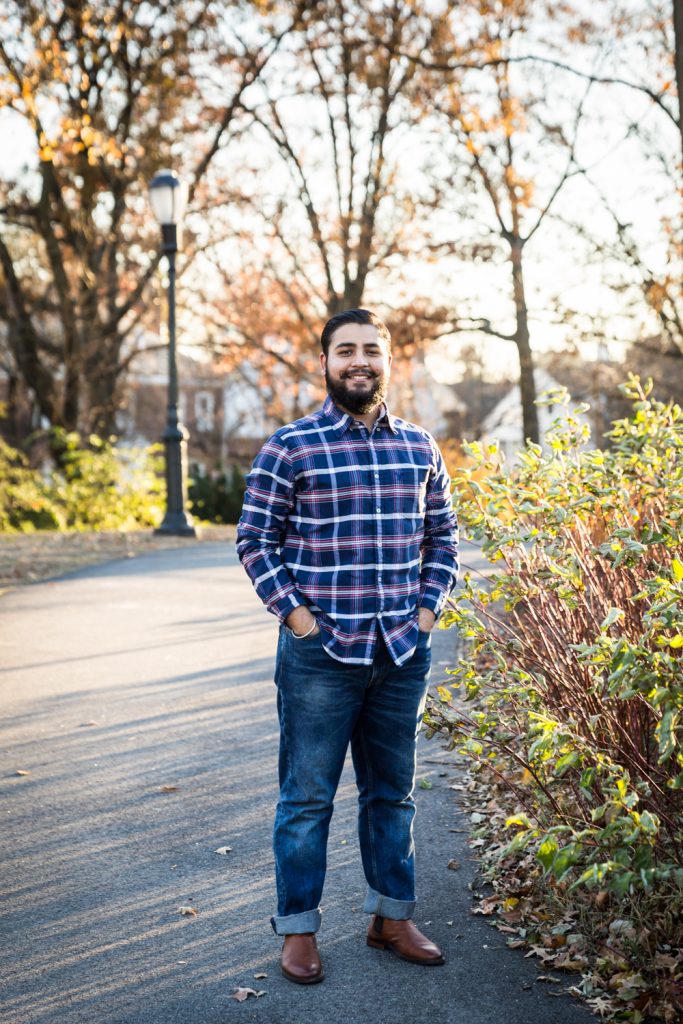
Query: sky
x=621 y=167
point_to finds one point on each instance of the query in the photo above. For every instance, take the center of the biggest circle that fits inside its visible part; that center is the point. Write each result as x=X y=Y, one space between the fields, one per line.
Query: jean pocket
x=424 y=637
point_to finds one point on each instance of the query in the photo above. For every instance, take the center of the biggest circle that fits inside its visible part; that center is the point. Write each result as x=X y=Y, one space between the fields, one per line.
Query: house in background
x=504 y=422
x=228 y=415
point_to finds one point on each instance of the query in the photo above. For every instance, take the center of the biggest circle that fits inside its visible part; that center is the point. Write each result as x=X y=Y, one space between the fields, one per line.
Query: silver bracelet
x=302 y=636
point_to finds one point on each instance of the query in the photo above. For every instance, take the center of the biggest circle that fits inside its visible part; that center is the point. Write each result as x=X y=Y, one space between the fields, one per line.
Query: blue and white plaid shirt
x=356 y=524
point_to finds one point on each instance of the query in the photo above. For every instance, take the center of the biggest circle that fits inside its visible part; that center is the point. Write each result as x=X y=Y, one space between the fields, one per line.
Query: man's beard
x=357 y=402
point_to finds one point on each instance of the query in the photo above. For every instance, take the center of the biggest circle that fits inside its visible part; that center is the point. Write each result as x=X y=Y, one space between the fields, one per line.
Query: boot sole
x=379 y=944
x=303 y=981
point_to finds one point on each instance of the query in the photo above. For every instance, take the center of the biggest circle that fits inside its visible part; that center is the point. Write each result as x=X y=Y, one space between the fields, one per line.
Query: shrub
x=573 y=660
x=25 y=503
x=217 y=498
x=99 y=487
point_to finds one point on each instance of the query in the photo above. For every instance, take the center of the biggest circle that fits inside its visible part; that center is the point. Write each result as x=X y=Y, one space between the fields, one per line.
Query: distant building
x=505 y=424
x=229 y=415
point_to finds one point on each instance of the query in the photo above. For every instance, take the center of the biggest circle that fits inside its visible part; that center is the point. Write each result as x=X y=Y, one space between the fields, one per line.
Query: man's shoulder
x=292 y=434
x=413 y=431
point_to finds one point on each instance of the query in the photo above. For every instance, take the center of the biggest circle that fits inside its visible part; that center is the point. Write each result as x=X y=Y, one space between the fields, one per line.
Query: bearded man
x=349 y=536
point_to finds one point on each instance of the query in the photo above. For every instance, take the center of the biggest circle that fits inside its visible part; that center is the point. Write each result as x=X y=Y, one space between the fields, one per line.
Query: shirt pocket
x=409 y=484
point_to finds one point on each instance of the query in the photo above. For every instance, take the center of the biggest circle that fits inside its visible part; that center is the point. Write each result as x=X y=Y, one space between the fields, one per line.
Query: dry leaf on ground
x=240 y=994
x=223 y=850
x=188 y=911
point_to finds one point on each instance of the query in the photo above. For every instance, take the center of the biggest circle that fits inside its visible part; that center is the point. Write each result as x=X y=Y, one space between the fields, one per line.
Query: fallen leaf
x=223 y=850
x=169 y=789
x=453 y=865
x=260 y=975
x=425 y=784
x=84 y=725
x=188 y=911
x=554 y=941
x=571 y=965
x=240 y=994
x=601 y=1005
x=487 y=906
x=513 y=916
x=20 y=771
x=547 y=977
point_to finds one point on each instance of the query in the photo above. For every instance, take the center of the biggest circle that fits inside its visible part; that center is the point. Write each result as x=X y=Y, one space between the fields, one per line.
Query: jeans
x=323 y=705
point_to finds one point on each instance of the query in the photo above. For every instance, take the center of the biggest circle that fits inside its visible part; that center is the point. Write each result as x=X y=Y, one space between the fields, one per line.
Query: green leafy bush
x=101 y=487
x=98 y=487
x=573 y=656
x=25 y=502
x=217 y=498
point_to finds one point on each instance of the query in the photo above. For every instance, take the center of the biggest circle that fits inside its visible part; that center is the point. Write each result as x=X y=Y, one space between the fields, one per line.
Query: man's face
x=357 y=368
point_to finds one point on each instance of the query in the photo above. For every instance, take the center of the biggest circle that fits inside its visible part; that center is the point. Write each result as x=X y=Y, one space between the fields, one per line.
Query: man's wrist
x=425 y=619
x=300 y=620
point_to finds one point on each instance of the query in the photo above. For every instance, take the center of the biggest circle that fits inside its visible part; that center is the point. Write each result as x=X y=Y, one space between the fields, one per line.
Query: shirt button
x=378 y=509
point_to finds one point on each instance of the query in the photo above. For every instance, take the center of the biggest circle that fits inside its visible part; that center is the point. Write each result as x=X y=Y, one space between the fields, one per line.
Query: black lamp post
x=167 y=196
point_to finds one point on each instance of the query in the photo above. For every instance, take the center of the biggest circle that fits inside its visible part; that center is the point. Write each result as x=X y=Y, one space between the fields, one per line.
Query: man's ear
x=323 y=361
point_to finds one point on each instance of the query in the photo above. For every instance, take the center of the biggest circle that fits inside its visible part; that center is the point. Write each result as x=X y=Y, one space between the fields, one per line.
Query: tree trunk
x=526 y=361
x=72 y=382
x=678 y=57
x=104 y=385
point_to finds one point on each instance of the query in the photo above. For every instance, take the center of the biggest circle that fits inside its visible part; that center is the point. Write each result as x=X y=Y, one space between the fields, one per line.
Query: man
x=349 y=537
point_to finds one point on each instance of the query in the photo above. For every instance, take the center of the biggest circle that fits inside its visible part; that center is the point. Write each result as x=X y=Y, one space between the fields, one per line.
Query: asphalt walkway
x=138 y=699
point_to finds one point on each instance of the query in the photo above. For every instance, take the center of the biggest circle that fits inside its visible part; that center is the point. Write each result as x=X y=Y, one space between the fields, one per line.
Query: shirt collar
x=341 y=420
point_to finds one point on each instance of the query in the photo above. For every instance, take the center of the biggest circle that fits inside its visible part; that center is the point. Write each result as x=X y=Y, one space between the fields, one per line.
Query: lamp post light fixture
x=168 y=196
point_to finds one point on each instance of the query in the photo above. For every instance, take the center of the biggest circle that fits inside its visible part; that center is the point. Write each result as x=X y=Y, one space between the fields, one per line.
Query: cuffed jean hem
x=297 y=924
x=384 y=906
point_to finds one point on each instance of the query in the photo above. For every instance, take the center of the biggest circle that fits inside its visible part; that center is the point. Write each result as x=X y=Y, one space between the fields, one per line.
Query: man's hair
x=353 y=316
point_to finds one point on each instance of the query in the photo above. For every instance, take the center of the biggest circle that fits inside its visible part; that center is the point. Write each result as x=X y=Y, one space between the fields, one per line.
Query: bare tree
x=334 y=215
x=111 y=90
x=510 y=149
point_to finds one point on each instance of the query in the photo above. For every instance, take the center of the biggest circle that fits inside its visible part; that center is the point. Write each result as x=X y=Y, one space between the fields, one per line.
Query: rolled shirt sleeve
x=439 y=569
x=268 y=500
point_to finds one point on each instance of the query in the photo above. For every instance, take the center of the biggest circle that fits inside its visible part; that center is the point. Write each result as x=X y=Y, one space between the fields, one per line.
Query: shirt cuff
x=432 y=598
x=285 y=604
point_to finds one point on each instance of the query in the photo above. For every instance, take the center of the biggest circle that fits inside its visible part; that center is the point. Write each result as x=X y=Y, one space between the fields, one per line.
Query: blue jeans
x=324 y=704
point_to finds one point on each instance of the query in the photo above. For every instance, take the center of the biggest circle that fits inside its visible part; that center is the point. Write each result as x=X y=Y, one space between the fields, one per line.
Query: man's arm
x=439 y=569
x=268 y=501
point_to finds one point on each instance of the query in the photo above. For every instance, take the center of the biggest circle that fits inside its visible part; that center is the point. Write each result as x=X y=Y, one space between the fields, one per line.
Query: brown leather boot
x=405 y=940
x=300 y=960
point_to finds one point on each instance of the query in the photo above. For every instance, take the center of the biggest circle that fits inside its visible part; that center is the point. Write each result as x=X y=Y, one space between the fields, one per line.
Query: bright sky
x=622 y=166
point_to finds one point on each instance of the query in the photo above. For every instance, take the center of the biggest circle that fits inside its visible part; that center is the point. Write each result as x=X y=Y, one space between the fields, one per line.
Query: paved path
x=156 y=672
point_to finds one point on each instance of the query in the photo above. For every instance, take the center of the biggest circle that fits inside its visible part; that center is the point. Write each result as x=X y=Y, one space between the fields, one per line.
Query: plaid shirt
x=356 y=524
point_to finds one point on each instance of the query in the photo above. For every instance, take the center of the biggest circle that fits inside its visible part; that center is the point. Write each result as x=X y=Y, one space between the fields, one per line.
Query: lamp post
x=168 y=196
